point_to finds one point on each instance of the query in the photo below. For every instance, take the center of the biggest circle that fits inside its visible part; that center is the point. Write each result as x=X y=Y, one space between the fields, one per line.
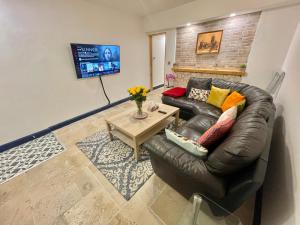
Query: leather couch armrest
x=191 y=167
x=244 y=185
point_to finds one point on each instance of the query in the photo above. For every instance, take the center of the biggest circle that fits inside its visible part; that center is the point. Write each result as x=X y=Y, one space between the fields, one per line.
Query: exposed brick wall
x=183 y=78
x=238 y=34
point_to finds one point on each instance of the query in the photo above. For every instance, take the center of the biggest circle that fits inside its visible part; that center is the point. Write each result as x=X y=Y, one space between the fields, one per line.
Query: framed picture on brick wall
x=209 y=42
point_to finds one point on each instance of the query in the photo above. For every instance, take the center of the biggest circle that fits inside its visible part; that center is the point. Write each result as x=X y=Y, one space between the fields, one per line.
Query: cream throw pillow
x=230 y=113
x=199 y=94
x=187 y=144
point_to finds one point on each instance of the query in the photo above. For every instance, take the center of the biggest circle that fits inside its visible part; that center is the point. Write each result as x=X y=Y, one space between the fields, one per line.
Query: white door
x=158 y=59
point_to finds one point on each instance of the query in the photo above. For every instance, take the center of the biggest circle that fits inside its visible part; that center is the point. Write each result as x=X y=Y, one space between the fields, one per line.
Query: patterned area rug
x=116 y=162
x=21 y=158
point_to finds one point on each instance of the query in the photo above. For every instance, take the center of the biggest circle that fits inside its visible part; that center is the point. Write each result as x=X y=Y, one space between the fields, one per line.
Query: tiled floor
x=68 y=189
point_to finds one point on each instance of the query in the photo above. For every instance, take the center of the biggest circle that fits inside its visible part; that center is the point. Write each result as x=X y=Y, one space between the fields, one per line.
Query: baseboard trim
x=158 y=86
x=43 y=132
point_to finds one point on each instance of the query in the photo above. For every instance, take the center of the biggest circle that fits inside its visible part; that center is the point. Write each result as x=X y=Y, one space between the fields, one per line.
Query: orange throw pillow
x=233 y=99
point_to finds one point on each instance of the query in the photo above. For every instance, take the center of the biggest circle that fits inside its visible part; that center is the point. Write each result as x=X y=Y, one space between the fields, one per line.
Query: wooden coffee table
x=133 y=131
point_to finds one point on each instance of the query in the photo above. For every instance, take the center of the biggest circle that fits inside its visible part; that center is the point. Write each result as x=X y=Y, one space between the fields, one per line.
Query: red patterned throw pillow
x=175 y=92
x=216 y=132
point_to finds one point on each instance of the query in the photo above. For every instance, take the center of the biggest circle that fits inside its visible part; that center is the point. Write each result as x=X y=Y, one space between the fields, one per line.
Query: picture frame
x=209 y=42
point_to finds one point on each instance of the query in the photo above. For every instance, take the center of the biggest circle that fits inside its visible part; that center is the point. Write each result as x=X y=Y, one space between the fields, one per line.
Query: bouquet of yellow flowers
x=138 y=93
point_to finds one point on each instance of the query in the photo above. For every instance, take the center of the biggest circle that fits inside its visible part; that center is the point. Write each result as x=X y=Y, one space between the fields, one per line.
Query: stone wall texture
x=238 y=35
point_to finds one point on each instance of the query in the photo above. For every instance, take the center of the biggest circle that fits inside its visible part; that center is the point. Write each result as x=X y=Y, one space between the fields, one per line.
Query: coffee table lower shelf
x=136 y=141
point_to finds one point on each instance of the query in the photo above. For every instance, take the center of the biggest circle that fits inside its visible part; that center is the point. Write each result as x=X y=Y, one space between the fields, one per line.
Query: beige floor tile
x=95 y=208
x=169 y=206
x=13 y=189
x=60 y=221
x=63 y=174
x=121 y=220
x=73 y=157
x=150 y=190
x=17 y=211
x=55 y=171
x=136 y=211
x=48 y=207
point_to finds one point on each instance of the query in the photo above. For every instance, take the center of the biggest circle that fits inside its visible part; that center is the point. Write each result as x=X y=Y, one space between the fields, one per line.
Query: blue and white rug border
x=37 y=164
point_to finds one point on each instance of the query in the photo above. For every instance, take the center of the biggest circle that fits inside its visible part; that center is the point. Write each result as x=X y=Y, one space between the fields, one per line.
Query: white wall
x=272 y=39
x=158 y=59
x=38 y=85
x=202 y=10
x=170 y=50
x=281 y=204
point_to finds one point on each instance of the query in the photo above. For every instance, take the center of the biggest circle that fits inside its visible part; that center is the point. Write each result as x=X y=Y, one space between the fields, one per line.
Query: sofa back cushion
x=233 y=86
x=245 y=142
x=243 y=145
x=255 y=94
x=199 y=83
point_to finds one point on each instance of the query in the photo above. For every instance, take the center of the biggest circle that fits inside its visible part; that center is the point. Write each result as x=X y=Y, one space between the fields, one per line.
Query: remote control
x=163 y=112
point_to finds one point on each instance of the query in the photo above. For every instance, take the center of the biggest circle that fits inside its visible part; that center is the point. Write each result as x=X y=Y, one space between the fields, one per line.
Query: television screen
x=95 y=60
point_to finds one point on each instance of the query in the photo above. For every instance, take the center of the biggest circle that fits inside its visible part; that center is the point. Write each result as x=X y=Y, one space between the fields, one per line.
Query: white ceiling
x=143 y=7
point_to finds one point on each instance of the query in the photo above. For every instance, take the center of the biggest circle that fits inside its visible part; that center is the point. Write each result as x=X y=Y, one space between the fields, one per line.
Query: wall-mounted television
x=95 y=60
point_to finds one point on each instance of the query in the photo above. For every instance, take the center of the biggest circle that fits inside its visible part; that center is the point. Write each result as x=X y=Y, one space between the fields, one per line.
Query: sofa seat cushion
x=194 y=106
x=196 y=126
x=187 y=164
x=181 y=102
x=206 y=109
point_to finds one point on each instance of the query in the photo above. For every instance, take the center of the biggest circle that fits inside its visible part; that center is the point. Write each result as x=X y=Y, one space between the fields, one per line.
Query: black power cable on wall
x=104 y=90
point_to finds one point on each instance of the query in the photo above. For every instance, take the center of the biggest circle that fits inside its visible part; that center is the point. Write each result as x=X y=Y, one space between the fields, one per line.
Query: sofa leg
x=258 y=207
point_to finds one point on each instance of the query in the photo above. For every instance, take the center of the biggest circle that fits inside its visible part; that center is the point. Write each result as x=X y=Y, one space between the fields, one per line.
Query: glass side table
x=202 y=211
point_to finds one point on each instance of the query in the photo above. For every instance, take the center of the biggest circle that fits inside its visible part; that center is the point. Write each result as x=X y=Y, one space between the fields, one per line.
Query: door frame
x=151 y=55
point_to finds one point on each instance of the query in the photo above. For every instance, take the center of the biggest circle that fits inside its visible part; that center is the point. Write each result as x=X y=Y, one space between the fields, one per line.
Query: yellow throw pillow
x=217 y=96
